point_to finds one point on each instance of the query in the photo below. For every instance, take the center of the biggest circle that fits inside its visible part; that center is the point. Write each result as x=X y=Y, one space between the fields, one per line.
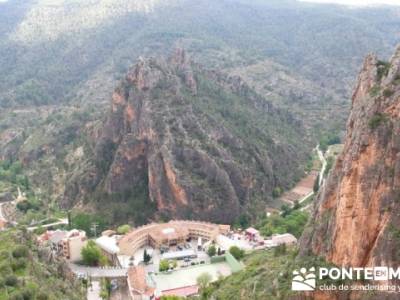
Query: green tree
x=92 y=255
x=236 y=252
x=85 y=221
x=243 y=221
x=280 y=250
x=174 y=264
x=203 y=282
x=211 y=251
x=296 y=205
x=20 y=251
x=123 y=229
x=105 y=289
x=164 y=265
x=276 y=192
x=316 y=184
x=285 y=210
x=146 y=257
x=329 y=165
x=292 y=222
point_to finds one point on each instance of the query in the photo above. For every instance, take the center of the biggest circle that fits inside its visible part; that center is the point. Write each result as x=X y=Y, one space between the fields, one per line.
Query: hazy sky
x=357 y=2
x=347 y=2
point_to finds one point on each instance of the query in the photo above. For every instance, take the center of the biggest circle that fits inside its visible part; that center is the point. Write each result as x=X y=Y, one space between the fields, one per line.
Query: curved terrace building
x=168 y=234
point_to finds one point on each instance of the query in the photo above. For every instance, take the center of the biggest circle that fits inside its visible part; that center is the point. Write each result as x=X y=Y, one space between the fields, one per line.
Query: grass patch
x=377 y=120
x=388 y=92
x=374 y=91
x=396 y=80
x=383 y=69
x=267 y=275
x=24 y=276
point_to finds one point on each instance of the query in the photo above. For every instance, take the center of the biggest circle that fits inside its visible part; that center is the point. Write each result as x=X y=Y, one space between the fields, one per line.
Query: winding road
x=59 y=222
x=321 y=178
x=323 y=161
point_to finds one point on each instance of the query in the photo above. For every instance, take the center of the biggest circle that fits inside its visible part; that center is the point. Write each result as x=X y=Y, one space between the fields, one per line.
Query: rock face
x=187 y=143
x=356 y=218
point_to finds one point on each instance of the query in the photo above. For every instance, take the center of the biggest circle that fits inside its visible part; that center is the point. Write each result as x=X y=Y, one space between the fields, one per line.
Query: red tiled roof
x=252 y=230
x=182 y=292
x=137 y=281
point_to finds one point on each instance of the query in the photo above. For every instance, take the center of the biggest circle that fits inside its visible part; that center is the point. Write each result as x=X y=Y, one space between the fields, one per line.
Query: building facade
x=167 y=234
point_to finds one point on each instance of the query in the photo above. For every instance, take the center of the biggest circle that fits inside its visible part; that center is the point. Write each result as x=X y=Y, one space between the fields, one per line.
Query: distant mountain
x=183 y=142
x=61 y=60
x=54 y=52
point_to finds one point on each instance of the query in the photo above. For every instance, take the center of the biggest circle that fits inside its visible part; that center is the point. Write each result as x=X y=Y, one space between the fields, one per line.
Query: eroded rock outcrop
x=356 y=218
x=189 y=143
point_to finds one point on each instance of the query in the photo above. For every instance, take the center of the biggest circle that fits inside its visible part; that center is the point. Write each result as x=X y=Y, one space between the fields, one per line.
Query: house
x=73 y=244
x=252 y=234
x=286 y=238
x=138 y=286
x=184 y=292
x=67 y=244
x=109 y=247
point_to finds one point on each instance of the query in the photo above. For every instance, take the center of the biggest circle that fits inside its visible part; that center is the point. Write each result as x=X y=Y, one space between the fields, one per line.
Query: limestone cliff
x=183 y=142
x=356 y=217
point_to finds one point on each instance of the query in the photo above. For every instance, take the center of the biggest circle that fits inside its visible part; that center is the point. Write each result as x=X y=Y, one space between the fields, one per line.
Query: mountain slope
x=189 y=143
x=47 y=58
x=355 y=222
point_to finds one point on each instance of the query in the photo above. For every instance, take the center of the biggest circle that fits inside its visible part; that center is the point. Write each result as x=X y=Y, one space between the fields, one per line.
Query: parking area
x=185 y=254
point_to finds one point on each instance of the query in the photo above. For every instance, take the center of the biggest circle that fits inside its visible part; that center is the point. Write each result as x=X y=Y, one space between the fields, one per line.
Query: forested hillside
x=61 y=60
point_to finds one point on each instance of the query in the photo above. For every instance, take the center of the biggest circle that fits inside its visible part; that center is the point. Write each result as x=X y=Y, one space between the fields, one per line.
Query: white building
x=73 y=244
x=285 y=238
x=224 y=242
x=109 y=246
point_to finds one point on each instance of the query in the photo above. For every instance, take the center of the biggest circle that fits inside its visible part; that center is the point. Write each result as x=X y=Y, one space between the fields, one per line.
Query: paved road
x=306 y=197
x=60 y=222
x=321 y=178
x=323 y=161
x=95 y=272
x=93 y=292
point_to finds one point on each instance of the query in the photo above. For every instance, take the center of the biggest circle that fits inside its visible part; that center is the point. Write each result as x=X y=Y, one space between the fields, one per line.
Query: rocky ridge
x=183 y=142
x=355 y=221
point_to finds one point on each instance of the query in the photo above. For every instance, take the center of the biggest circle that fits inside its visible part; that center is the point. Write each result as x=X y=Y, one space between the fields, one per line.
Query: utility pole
x=69 y=220
x=94 y=228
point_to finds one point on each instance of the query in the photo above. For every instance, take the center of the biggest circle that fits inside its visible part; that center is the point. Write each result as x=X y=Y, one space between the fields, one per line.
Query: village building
x=139 y=288
x=252 y=234
x=66 y=244
x=286 y=238
x=184 y=292
x=109 y=247
x=168 y=234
